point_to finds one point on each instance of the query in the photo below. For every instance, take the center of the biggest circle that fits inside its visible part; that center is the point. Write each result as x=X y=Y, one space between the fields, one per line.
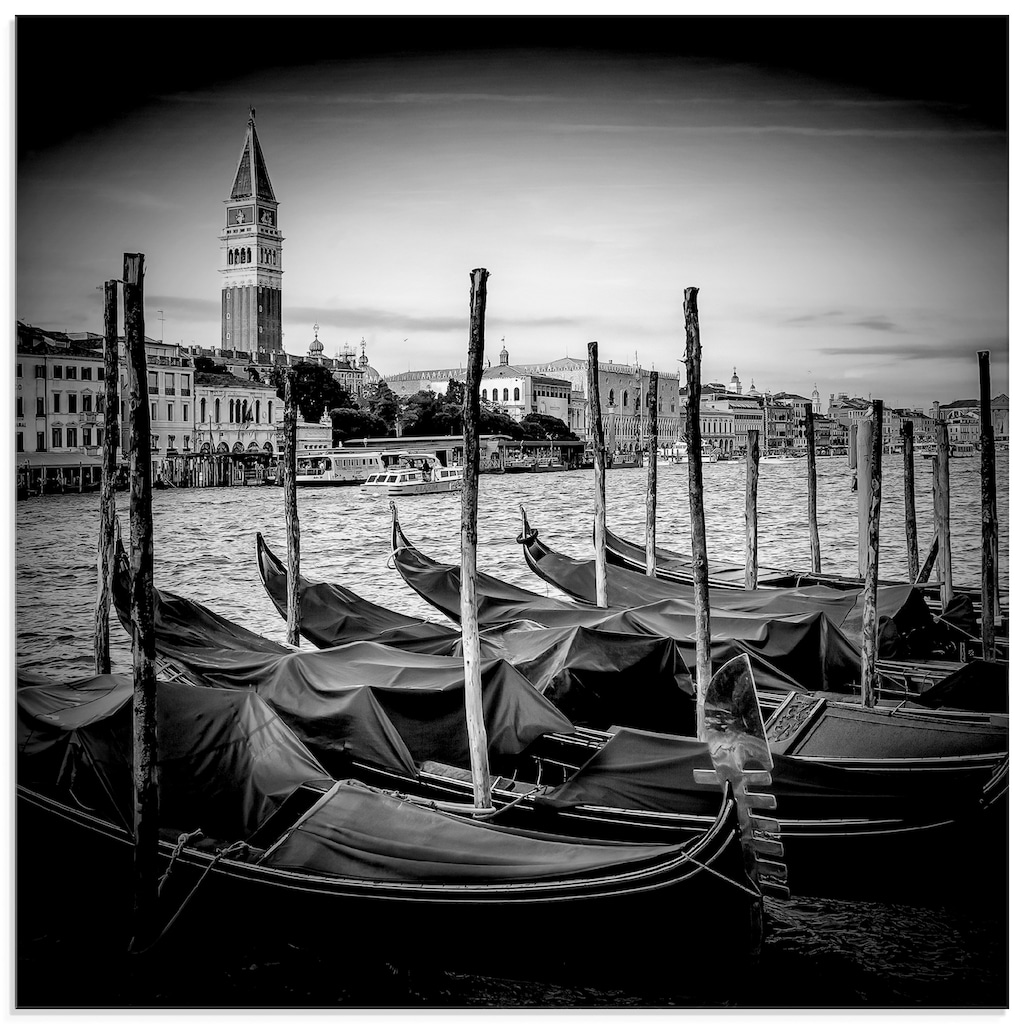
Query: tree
x=348 y=423
x=383 y=403
x=540 y=427
x=314 y=389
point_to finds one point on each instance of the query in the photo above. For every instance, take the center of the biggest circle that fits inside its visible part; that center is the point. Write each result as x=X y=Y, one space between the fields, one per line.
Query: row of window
x=240 y=410
x=61 y=372
x=504 y=394
x=64 y=437
x=169 y=383
x=68 y=403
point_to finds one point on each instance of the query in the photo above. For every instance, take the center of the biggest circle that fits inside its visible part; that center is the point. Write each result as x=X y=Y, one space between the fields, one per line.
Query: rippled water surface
x=831 y=953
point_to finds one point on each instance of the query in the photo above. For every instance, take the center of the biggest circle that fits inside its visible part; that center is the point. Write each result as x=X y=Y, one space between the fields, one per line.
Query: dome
x=316 y=347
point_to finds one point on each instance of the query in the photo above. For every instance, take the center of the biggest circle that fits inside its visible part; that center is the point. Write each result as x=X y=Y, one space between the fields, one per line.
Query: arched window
x=231 y=411
x=248 y=255
x=611 y=396
x=230 y=260
x=515 y=394
x=483 y=394
x=257 y=410
x=494 y=395
x=216 y=410
x=270 y=412
x=504 y=395
x=625 y=399
x=202 y=409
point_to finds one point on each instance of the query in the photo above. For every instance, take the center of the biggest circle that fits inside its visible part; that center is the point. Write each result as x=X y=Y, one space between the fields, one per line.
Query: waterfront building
x=515 y=390
x=59 y=421
x=954 y=412
x=169 y=384
x=236 y=416
x=924 y=425
x=788 y=412
x=623 y=390
x=251 y=255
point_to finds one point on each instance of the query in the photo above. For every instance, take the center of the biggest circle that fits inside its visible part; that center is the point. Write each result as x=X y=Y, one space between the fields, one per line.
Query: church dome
x=316 y=346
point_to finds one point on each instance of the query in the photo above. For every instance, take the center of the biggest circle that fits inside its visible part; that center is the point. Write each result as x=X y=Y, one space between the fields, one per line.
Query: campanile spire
x=251 y=251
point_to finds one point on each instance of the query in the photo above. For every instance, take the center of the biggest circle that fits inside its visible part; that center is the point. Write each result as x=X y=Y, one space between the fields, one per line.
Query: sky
x=836 y=188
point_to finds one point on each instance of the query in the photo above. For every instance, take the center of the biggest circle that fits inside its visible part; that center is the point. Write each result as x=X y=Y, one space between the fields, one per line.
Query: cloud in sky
x=811 y=200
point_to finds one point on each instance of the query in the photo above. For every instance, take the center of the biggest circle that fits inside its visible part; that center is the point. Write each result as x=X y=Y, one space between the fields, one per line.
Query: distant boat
x=414 y=473
x=336 y=467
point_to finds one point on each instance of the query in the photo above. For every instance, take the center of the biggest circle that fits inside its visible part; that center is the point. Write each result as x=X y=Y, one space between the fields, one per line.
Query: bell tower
x=250 y=249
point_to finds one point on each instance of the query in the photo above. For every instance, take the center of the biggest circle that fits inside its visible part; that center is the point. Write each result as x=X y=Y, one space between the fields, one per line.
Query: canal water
x=818 y=953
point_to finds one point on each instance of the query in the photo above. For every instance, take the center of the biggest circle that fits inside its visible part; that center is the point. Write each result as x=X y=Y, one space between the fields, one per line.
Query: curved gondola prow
x=743 y=762
x=273 y=575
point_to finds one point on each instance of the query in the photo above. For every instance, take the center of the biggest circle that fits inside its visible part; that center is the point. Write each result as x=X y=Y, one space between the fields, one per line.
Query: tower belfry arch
x=251 y=255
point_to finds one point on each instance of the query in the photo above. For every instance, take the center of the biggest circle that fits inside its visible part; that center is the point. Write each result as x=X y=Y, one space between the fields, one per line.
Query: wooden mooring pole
x=597 y=434
x=470 y=496
x=753 y=461
x=873 y=484
x=108 y=473
x=944 y=562
x=989 y=524
x=144 y=714
x=851 y=453
x=291 y=509
x=812 y=488
x=652 y=473
x=909 y=500
x=866 y=430
x=699 y=545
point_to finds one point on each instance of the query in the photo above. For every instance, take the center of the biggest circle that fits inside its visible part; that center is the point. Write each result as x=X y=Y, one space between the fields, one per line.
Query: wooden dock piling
x=866 y=430
x=989 y=533
x=652 y=472
x=146 y=872
x=108 y=472
x=291 y=509
x=753 y=461
x=597 y=435
x=851 y=453
x=699 y=547
x=812 y=488
x=909 y=500
x=944 y=561
x=470 y=496
x=873 y=484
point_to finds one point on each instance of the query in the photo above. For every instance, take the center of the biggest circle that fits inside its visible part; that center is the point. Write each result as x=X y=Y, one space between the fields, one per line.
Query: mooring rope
x=182 y=840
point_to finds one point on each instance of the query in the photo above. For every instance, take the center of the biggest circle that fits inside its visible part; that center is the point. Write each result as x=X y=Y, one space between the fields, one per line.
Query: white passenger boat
x=336 y=467
x=413 y=473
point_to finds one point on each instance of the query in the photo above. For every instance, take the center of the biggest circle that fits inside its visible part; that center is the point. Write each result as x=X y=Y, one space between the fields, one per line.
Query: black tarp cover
x=903 y=604
x=360 y=833
x=648 y=771
x=332 y=615
x=803 y=651
x=596 y=678
x=382 y=705
x=225 y=760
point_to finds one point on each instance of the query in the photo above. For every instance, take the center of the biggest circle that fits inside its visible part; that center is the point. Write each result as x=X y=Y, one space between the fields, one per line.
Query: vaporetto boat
x=413 y=473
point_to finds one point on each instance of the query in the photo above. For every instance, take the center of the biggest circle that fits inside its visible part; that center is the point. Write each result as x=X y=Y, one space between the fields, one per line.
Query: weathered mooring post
x=652 y=473
x=470 y=496
x=909 y=500
x=597 y=434
x=753 y=462
x=866 y=430
x=699 y=546
x=944 y=561
x=989 y=532
x=812 y=488
x=291 y=509
x=851 y=453
x=873 y=484
x=108 y=472
x=144 y=716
